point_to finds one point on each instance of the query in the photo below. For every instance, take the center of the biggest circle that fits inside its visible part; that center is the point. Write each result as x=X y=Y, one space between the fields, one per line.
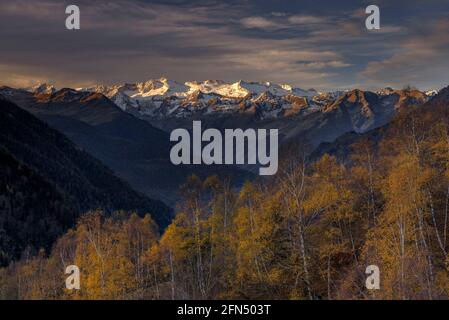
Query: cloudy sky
x=307 y=43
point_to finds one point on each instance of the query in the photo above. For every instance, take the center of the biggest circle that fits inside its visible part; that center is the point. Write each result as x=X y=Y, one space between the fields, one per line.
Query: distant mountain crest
x=158 y=88
x=44 y=88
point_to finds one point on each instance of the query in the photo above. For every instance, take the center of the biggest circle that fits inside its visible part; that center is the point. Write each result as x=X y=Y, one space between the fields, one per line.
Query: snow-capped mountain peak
x=431 y=93
x=42 y=88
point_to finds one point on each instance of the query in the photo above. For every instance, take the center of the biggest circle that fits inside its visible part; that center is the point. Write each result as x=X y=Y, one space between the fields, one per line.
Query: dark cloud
x=305 y=43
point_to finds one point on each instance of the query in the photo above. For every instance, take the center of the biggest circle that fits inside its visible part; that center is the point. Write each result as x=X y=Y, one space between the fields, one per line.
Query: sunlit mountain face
x=207 y=150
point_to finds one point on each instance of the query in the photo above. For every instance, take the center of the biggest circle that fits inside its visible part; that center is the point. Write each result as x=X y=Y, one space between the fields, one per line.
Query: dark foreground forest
x=308 y=233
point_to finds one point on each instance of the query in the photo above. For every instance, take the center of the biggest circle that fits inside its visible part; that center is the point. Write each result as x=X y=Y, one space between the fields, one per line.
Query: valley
x=127 y=126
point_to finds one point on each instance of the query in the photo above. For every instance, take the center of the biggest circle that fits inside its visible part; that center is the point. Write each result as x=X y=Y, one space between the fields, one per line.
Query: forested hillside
x=47 y=182
x=309 y=233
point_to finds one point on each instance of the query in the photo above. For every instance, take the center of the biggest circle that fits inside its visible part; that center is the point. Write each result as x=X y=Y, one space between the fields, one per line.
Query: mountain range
x=308 y=116
x=127 y=126
x=302 y=116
